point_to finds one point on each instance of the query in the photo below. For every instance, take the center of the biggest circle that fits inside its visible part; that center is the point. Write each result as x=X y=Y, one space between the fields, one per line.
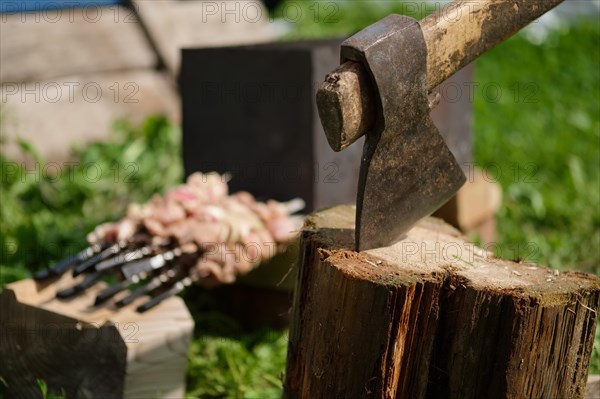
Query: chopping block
x=433 y=316
x=90 y=352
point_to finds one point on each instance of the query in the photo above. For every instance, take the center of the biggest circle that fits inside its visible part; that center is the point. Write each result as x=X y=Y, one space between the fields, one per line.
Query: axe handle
x=455 y=36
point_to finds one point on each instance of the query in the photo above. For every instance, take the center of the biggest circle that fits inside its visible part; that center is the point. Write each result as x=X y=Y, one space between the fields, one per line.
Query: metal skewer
x=113 y=290
x=123 y=258
x=150 y=264
x=65 y=264
x=174 y=290
x=155 y=283
x=91 y=262
x=89 y=280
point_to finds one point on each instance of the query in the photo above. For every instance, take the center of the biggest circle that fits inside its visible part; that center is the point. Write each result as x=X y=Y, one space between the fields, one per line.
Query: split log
x=90 y=352
x=433 y=316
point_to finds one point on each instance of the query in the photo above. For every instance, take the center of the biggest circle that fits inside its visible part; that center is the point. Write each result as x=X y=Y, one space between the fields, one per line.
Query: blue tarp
x=13 y=6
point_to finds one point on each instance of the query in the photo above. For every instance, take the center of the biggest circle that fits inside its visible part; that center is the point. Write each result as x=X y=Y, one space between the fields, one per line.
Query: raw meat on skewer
x=233 y=233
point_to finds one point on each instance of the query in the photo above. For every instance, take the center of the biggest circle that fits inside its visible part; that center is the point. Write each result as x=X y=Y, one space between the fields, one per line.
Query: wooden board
x=592 y=390
x=173 y=25
x=57 y=43
x=473 y=209
x=433 y=316
x=57 y=114
x=91 y=351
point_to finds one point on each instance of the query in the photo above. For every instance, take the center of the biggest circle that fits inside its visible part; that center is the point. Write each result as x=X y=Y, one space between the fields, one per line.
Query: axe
x=381 y=90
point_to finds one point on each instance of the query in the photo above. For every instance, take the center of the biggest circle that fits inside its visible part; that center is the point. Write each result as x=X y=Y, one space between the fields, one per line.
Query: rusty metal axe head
x=407 y=171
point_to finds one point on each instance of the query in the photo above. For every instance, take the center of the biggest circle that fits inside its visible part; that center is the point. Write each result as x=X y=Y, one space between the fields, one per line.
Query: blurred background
x=90 y=120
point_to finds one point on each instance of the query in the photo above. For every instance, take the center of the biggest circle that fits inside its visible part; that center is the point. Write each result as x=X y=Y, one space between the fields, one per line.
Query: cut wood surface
x=433 y=316
x=91 y=352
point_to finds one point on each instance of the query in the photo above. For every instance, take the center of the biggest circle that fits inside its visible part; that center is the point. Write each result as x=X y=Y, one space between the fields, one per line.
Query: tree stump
x=433 y=316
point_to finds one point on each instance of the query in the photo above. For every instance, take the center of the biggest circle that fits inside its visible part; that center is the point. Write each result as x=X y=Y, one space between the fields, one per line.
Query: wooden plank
x=173 y=25
x=473 y=209
x=84 y=350
x=592 y=390
x=435 y=316
x=56 y=114
x=58 y=43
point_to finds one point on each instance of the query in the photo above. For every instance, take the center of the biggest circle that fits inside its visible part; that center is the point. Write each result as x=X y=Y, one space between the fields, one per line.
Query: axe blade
x=407 y=171
x=402 y=179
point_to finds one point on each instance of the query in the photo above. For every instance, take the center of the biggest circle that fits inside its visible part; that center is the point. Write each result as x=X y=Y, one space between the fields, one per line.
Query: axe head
x=406 y=171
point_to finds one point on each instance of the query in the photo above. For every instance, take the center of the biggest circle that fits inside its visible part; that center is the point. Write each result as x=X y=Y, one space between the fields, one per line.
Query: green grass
x=49 y=395
x=225 y=361
x=248 y=367
x=545 y=126
x=41 y=384
x=45 y=216
x=319 y=19
x=541 y=138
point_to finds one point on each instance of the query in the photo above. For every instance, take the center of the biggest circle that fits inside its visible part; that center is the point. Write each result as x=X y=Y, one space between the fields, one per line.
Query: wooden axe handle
x=455 y=36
